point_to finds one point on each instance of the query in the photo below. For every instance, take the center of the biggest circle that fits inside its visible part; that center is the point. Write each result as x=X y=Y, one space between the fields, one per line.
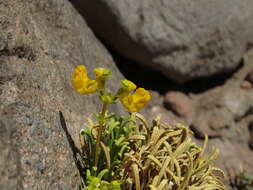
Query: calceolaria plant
x=125 y=152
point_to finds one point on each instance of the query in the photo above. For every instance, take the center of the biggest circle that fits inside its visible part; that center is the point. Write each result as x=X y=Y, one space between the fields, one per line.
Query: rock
x=238 y=101
x=179 y=103
x=246 y=85
x=43 y=42
x=3 y=43
x=213 y=123
x=10 y=171
x=227 y=129
x=218 y=110
x=249 y=77
x=181 y=39
x=241 y=75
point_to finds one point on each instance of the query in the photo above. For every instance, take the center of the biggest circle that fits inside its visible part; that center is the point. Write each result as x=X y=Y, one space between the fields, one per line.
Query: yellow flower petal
x=135 y=102
x=79 y=78
x=81 y=82
x=92 y=86
x=141 y=97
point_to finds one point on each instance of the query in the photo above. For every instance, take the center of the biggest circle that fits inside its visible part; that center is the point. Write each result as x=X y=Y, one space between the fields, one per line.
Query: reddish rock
x=179 y=103
x=246 y=84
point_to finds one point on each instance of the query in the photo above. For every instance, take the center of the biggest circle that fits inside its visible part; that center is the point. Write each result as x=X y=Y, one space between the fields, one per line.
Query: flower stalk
x=100 y=130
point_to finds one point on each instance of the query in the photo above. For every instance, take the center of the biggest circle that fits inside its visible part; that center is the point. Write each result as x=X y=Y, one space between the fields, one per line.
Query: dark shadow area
x=73 y=147
x=154 y=80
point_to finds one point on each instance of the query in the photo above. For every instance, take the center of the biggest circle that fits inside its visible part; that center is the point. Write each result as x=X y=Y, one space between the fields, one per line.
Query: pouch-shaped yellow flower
x=136 y=101
x=83 y=84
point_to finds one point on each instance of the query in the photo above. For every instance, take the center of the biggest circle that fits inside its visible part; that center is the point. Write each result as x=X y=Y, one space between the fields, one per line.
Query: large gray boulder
x=40 y=44
x=182 y=39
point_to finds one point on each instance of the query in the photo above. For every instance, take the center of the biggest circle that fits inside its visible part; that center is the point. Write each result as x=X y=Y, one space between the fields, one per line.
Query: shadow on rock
x=75 y=150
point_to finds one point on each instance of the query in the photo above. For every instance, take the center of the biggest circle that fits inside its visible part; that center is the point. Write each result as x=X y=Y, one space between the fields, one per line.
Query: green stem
x=100 y=130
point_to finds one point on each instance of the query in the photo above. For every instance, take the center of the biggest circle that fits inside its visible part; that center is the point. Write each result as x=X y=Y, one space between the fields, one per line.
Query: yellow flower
x=83 y=84
x=136 y=101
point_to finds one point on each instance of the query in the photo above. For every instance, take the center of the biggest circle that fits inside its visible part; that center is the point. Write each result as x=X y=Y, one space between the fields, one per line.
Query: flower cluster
x=131 y=97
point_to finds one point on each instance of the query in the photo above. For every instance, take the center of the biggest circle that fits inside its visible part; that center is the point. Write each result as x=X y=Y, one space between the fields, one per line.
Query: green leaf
x=106 y=150
x=102 y=173
x=122 y=150
x=120 y=140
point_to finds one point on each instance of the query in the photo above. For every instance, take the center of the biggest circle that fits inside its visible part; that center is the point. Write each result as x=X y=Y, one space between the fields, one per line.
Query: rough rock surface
x=40 y=44
x=179 y=103
x=182 y=39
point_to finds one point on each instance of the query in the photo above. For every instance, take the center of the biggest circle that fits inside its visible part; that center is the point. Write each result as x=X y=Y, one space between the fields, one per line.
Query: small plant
x=125 y=152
